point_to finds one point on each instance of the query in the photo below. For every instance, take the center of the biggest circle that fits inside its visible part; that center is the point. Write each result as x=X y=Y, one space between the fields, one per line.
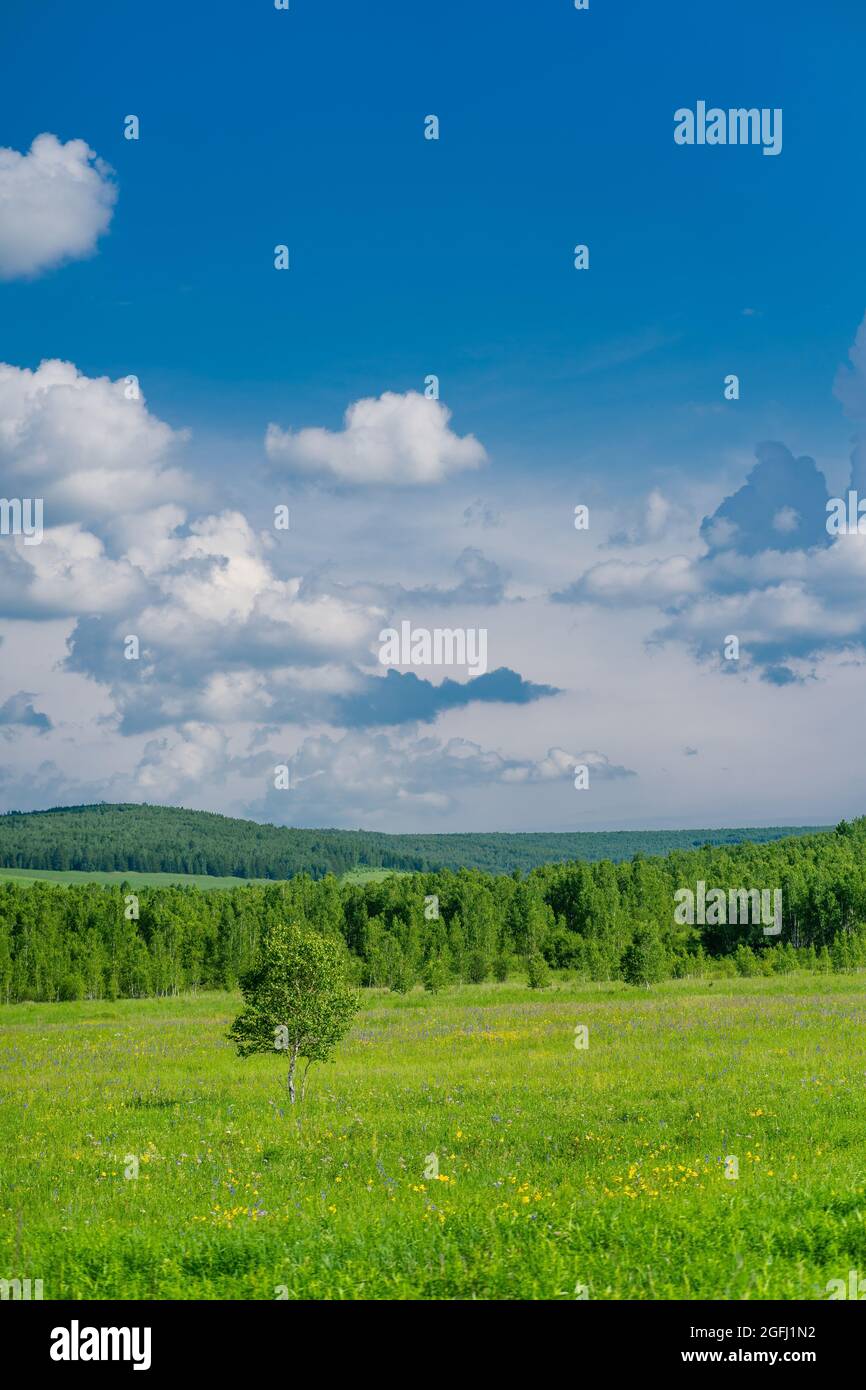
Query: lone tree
x=645 y=961
x=297 y=1001
x=537 y=972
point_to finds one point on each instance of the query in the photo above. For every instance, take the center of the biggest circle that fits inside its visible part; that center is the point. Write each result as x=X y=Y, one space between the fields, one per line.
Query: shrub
x=436 y=974
x=645 y=961
x=477 y=966
x=537 y=971
x=500 y=967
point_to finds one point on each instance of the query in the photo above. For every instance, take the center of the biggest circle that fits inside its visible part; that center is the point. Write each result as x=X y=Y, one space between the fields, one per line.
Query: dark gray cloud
x=374 y=701
x=771 y=575
x=781 y=675
x=781 y=506
x=20 y=712
x=403 y=697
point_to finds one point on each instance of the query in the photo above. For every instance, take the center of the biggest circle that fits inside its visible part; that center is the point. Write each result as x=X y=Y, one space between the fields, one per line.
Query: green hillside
x=171 y=840
x=607 y=921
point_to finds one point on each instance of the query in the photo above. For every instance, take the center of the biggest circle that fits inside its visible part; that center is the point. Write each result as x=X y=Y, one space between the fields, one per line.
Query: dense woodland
x=168 y=839
x=601 y=920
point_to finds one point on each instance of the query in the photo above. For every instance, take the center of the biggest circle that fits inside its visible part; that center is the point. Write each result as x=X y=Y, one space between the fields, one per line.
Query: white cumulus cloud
x=400 y=439
x=88 y=445
x=55 y=203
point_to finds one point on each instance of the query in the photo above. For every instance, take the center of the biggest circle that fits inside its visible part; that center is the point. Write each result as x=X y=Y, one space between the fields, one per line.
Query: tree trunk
x=304 y=1084
x=291 y=1078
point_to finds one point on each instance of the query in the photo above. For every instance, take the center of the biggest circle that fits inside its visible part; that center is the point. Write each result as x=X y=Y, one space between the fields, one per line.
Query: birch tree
x=297 y=1004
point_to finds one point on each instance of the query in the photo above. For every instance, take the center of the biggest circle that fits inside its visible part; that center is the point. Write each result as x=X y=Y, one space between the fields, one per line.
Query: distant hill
x=171 y=840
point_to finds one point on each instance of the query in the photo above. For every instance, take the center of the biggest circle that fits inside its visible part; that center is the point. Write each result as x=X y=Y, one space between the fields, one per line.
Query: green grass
x=157 y=880
x=130 y=876
x=366 y=874
x=601 y=1167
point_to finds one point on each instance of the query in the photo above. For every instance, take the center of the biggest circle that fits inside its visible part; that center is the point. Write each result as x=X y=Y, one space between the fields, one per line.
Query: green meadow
x=130 y=876
x=161 y=880
x=555 y=1166
x=367 y=874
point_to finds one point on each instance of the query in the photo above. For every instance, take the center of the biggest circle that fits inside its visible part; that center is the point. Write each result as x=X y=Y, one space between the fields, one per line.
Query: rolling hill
x=118 y=839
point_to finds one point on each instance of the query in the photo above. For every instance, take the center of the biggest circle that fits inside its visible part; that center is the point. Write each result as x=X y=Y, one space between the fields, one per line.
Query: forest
x=599 y=921
x=169 y=839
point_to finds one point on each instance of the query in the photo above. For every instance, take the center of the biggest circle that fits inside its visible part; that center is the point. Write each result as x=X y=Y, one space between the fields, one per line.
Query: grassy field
x=558 y=1167
x=138 y=880
x=366 y=874
x=130 y=876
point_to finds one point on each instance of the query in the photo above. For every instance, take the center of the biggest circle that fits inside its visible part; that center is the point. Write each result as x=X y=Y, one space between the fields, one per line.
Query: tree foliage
x=80 y=941
x=296 y=1000
x=171 y=839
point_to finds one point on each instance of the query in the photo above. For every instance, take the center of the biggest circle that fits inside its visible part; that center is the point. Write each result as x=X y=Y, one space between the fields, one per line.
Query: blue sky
x=453 y=257
x=414 y=256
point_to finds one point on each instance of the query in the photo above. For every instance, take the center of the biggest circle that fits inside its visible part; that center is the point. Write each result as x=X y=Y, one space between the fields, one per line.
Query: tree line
x=169 y=839
x=603 y=921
